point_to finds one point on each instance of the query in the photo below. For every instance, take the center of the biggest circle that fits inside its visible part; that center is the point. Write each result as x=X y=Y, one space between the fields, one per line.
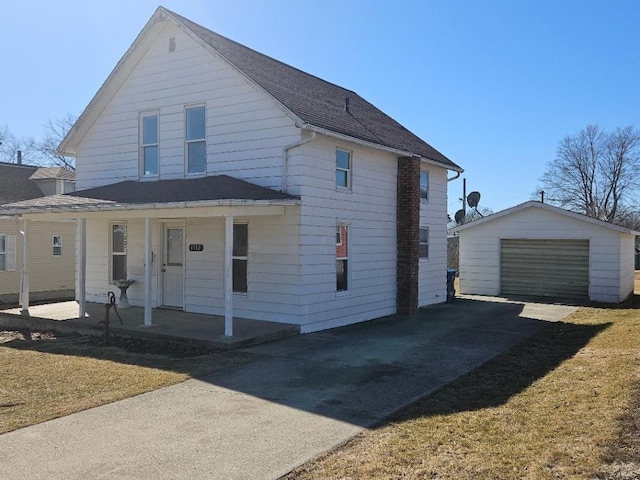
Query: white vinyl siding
x=245 y=129
x=369 y=208
x=432 y=273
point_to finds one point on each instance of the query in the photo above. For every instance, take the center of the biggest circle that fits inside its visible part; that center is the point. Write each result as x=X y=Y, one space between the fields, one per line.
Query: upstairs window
x=240 y=256
x=343 y=168
x=149 y=145
x=195 y=138
x=118 y=251
x=424 y=185
x=56 y=245
x=342 y=258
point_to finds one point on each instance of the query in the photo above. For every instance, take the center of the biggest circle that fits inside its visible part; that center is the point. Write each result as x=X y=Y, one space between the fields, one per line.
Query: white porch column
x=148 y=261
x=24 y=278
x=82 y=267
x=228 y=276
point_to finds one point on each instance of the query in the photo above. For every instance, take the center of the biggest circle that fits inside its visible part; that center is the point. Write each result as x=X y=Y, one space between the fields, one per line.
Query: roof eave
x=378 y=146
x=115 y=206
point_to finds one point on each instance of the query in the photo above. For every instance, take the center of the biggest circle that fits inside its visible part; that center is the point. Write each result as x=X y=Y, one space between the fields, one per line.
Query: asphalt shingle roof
x=316 y=101
x=220 y=187
x=15 y=185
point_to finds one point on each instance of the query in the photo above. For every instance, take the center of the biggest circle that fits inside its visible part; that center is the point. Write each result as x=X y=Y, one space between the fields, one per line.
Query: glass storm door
x=173 y=266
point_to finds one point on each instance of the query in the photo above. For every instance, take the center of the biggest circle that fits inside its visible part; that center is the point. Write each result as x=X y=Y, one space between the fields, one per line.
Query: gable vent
x=172 y=44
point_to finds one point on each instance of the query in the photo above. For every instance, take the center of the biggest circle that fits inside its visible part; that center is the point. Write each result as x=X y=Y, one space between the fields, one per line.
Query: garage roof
x=549 y=208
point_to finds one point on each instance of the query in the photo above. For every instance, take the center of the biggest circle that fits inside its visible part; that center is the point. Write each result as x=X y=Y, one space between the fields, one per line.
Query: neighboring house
x=535 y=249
x=225 y=182
x=51 y=244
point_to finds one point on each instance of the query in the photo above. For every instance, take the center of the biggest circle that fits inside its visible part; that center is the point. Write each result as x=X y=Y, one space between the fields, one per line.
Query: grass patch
x=563 y=404
x=45 y=376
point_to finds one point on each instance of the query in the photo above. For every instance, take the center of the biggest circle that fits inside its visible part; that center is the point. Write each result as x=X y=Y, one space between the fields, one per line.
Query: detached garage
x=535 y=249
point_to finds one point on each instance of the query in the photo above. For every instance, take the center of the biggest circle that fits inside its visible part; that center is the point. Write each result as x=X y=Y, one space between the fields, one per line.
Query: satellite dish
x=473 y=199
x=459 y=217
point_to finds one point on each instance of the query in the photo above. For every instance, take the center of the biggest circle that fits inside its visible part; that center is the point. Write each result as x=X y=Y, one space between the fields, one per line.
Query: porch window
x=424 y=185
x=424 y=242
x=3 y=253
x=118 y=251
x=343 y=168
x=56 y=245
x=195 y=138
x=342 y=258
x=149 y=145
x=240 y=256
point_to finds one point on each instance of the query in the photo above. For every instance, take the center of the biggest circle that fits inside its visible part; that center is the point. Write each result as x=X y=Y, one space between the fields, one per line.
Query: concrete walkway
x=300 y=397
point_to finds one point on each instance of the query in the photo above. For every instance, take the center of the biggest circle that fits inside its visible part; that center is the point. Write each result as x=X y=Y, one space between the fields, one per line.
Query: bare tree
x=10 y=145
x=55 y=131
x=595 y=172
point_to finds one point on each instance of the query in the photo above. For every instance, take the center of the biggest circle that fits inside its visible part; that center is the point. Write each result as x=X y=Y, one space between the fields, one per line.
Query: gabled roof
x=60 y=173
x=314 y=103
x=15 y=184
x=220 y=188
x=548 y=208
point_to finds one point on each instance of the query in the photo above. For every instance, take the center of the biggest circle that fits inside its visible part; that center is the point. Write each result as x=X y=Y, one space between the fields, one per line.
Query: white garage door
x=558 y=268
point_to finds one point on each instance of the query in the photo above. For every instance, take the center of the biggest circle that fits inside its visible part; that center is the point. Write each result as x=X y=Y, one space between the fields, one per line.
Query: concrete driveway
x=299 y=398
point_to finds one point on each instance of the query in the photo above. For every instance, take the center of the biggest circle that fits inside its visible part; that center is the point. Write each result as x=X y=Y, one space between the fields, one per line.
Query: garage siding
x=557 y=268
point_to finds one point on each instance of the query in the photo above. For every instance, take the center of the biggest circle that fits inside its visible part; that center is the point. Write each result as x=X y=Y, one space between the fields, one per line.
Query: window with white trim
x=424 y=242
x=149 y=157
x=3 y=253
x=7 y=253
x=118 y=249
x=56 y=245
x=424 y=185
x=342 y=258
x=343 y=168
x=240 y=256
x=195 y=139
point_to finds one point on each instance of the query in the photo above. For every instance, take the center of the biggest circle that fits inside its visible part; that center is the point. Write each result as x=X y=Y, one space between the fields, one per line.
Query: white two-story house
x=225 y=182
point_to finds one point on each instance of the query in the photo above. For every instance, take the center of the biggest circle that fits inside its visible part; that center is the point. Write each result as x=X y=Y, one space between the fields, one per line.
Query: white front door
x=173 y=265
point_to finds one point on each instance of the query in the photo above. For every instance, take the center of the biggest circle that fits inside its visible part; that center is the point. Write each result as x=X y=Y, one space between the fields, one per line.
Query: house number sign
x=196 y=247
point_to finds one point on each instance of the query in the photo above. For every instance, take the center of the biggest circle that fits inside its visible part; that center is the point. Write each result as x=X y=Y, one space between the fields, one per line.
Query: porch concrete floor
x=167 y=324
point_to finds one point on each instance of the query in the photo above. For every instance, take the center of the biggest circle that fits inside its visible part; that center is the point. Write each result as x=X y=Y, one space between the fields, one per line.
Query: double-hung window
x=56 y=245
x=195 y=139
x=424 y=185
x=149 y=145
x=240 y=256
x=3 y=253
x=343 y=168
x=424 y=242
x=342 y=258
x=118 y=251
x=7 y=253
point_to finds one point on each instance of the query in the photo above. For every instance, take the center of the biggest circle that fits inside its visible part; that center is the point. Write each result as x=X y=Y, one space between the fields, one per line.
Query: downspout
x=285 y=158
x=453 y=178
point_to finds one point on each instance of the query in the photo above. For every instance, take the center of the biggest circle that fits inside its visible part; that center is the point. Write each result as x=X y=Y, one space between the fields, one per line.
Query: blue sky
x=494 y=85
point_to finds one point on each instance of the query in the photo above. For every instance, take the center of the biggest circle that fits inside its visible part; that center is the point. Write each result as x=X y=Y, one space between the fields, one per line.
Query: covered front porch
x=169 y=325
x=174 y=240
